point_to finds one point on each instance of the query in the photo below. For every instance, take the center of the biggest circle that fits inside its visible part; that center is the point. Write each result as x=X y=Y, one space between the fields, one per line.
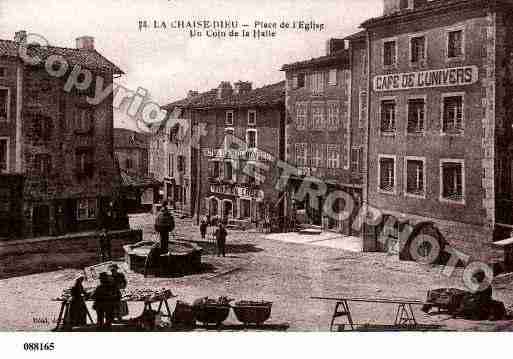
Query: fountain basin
x=182 y=258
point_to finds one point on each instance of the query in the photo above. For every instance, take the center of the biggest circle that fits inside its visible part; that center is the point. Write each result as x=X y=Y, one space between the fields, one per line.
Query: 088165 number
x=38 y=347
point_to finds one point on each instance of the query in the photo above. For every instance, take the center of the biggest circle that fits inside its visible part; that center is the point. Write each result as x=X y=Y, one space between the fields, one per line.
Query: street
x=256 y=268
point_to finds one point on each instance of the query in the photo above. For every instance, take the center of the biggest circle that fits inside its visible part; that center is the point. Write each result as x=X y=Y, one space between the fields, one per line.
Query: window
x=333 y=115
x=301 y=80
x=363 y=109
x=418 y=49
x=229 y=118
x=452 y=181
x=3 y=72
x=388 y=116
x=455 y=44
x=252 y=118
x=4 y=155
x=332 y=77
x=416 y=115
x=84 y=119
x=171 y=165
x=317 y=151
x=386 y=172
x=333 y=156
x=356 y=159
x=389 y=53
x=317 y=82
x=215 y=169
x=415 y=176
x=85 y=162
x=42 y=127
x=4 y=104
x=86 y=209
x=318 y=116
x=301 y=115
x=181 y=164
x=403 y=4
x=228 y=170
x=42 y=164
x=452 y=114
x=251 y=139
x=301 y=155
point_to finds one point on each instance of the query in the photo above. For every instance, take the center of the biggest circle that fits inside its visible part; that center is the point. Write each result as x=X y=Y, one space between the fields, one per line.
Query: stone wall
x=28 y=256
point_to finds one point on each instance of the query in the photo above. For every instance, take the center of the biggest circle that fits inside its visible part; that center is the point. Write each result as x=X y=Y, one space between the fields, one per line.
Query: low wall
x=28 y=256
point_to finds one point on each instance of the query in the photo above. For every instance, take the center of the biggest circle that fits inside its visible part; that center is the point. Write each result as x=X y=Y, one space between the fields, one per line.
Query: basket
x=211 y=313
x=252 y=312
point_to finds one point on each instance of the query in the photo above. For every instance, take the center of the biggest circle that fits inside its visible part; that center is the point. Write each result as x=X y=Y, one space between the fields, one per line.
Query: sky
x=168 y=62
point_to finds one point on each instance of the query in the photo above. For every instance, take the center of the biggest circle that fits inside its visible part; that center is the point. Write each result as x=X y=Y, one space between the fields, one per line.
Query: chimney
x=224 y=90
x=20 y=36
x=334 y=45
x=191 y=94
x=242 y=87
x=85 y=43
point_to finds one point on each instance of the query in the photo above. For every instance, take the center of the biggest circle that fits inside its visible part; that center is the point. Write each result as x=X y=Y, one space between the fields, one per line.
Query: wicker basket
x=211 y=313
x=252 y=312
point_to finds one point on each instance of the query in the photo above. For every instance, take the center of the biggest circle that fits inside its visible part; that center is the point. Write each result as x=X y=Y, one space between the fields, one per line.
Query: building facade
x=325 y=134
x=439 y=118
x=237 y=136
x=54 y=139
x=171 y=162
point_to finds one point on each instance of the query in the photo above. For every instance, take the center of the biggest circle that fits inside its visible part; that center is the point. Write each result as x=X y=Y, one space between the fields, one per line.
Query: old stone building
x=58 y=144
x=237 y=136
x=439 y=118
x=325 y=133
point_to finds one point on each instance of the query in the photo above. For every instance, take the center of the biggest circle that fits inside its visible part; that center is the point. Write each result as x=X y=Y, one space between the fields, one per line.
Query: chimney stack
x=85 y=43
x=20 y=36
x=224 y=90
x=191 y=94
x=334 y=45
x=242 y=87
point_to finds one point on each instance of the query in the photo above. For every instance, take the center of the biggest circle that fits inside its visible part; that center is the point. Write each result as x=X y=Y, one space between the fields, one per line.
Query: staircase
x=239 y=224
x=310 y=230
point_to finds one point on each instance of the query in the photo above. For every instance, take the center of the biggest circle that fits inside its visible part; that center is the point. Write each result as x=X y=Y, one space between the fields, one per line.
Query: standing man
x=221 y=234
x=119 y=282
x=164 y=223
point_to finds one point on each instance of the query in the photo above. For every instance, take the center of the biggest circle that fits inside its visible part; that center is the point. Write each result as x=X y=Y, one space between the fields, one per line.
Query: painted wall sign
x=250 y=155
x=456 y=76
x=237 y=191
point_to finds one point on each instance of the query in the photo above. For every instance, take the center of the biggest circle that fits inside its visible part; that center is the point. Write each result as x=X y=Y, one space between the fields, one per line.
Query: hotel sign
x=456 y=76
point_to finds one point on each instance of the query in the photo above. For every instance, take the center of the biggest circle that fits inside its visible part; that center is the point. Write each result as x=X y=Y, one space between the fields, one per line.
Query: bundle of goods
x=252 y=312
x=147 y=295
x=148 y=320
x=460 y=303
x=211 y=311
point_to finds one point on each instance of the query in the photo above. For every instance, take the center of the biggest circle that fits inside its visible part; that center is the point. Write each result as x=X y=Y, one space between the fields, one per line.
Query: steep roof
x=269 y=95
x=340 y=57
x=89 y=59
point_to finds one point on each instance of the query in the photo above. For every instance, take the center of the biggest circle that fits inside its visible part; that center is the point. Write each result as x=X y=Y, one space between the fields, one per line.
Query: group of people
x=107 y=300
x=220 y=232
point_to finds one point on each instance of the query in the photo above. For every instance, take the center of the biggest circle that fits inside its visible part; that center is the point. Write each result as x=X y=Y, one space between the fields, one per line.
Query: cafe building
x=440 y=130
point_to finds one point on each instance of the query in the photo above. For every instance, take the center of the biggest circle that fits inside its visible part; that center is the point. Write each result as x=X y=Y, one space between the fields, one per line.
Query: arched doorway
x=213 y=207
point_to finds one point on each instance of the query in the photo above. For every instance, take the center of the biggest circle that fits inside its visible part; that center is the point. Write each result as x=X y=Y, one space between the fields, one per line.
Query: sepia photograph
x=216 y=168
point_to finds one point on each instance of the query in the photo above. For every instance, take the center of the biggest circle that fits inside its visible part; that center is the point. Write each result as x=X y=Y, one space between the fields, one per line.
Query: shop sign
x=237 y=191
x=253 y=155
x=456 y=76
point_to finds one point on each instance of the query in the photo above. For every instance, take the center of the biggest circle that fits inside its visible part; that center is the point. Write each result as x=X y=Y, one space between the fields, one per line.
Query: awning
x=134 y=181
